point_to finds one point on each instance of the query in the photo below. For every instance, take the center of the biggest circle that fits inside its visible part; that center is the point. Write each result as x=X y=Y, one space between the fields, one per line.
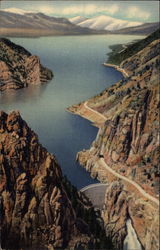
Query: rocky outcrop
x=36 y=211
x=115 y=213
x=18 y=68
x=121 y=205
x=129 y=139
x=128 y=142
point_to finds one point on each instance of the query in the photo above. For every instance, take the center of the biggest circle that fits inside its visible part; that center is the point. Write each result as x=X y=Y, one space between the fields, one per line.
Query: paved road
x=96 y=112
x=144 y=193
x=148 y=196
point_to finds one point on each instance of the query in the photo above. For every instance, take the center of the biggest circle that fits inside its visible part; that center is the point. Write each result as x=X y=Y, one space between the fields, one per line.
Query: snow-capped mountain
x=17 y=22
x=103 y=23
x=77 y=19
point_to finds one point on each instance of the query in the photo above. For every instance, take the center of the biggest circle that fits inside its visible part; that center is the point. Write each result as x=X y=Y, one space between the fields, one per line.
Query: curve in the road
x=148 y=196
x=96 y=112
x=144 y=193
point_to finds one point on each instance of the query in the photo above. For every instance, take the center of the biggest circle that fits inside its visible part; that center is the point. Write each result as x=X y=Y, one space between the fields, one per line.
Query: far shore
x=34 y=33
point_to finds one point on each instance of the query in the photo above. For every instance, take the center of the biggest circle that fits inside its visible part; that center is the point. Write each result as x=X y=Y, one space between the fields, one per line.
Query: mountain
x=40 y=208
x=115 y=26
x=103 y=23
x=125 y=153
x=15 y=22
x=18 y=68
x=144 y=29
x=77 y=19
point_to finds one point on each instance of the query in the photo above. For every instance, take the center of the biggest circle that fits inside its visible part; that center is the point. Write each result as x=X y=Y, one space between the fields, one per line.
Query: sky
x=144 y=11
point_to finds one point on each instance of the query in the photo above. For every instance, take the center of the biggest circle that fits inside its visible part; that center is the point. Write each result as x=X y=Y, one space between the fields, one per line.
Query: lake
x=76 y=62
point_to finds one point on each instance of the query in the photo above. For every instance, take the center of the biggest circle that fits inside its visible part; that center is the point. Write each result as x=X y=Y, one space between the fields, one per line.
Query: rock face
x=36 y=212
x=128 y=141
x=18 y=68
x=115 y=213
x=120 y=205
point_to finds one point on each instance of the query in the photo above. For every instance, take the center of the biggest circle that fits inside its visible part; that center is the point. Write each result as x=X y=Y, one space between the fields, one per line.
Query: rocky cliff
x=37 y=210
x=122 y=204
x=128 y=143
x=129 y=139
x=18 y=68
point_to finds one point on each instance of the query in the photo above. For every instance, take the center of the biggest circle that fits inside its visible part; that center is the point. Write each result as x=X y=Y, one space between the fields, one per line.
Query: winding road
x=144 y=193
x=96 y=112
x=103 y=163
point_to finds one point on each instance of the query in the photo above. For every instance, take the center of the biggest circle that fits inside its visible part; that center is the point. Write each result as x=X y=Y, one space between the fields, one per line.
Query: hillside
x=18 y=68
x=35 y=24
x=118 y=55
x=114 y=25
x=144 y=29
x=40 y=208
x=19 y=23
x=126 y=148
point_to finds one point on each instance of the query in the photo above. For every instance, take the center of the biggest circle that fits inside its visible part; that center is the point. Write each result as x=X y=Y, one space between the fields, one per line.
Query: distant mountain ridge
x=146 y=28
x=17 y=22
x=103 y=23
x=23 y=23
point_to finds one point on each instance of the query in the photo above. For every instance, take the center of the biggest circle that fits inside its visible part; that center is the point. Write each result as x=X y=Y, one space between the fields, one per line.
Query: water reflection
x=32 y=92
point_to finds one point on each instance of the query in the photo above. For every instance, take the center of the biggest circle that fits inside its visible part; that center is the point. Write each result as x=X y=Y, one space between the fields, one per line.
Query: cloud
x=113 y=9
x=134 y=11
x=88 y=9
x=46 y=9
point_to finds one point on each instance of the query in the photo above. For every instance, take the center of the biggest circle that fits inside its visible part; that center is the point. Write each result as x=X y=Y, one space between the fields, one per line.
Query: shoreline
x=118 y=68
x=98 y=119
x=83 y=110
x=101 y=161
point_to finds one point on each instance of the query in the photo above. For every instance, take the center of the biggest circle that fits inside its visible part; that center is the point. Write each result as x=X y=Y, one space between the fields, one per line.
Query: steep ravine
x=128 y=141
x=40 y=209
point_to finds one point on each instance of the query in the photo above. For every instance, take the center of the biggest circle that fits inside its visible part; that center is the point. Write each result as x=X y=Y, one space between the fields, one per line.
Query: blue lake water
x=77 y=65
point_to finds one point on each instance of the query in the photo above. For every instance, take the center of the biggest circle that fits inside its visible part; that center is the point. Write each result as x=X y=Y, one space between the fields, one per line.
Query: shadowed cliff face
x=128 y=141
x=18 y=68
x=35 y=209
